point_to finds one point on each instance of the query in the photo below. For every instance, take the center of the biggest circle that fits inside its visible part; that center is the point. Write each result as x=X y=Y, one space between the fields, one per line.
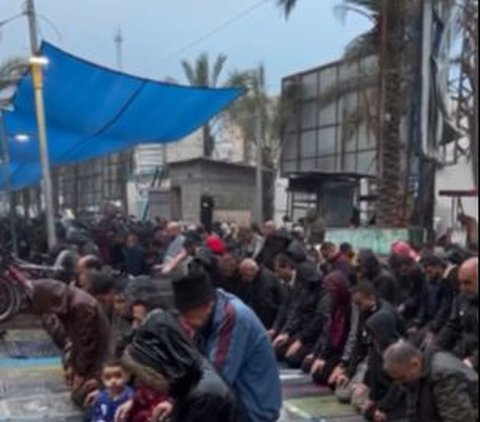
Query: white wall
x=281 y=199
x=454 y=177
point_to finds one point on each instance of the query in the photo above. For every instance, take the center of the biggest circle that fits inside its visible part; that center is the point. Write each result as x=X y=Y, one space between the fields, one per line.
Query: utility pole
x=118 y=39
x=8 y=185
x=125 y=158
x=258 y=215
x=37 y=74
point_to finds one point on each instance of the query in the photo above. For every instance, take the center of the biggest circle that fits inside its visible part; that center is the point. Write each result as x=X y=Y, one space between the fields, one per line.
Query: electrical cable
x=215 y=30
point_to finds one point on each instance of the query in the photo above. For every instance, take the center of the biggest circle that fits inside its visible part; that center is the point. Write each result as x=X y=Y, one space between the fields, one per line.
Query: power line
x=215 y=30
x=10 y=19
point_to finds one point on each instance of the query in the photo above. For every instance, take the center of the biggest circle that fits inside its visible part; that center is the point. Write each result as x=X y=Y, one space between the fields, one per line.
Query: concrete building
x=232 y=187
x=330 y=147
x=183 y=175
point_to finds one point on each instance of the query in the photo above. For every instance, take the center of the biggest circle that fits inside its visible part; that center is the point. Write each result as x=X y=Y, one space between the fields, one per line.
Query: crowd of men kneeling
x=395 y=337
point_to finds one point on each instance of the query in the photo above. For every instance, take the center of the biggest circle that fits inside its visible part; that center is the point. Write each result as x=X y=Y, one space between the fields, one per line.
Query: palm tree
x=387 y=36
x=249 y=108
x=11 y=71
x=467 y=108
x=273 y=114
x=201 y=74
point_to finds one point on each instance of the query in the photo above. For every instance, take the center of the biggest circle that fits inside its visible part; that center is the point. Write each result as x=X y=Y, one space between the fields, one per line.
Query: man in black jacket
x=460 y=334
x=439 y=387
x=351 y=370
x=370 y=270
x=441 y=288
x=411 y=292
x=261 y=290
x=295 y=331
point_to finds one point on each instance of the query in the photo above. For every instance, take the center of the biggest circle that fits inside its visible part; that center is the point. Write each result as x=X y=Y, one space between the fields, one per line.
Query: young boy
x=115 y=393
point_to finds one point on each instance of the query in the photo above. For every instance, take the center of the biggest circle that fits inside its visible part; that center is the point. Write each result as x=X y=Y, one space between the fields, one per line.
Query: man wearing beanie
x=234 y=340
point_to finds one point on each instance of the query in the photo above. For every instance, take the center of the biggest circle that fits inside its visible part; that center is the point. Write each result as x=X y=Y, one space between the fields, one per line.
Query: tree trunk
x=389 y=184
x=472 y=22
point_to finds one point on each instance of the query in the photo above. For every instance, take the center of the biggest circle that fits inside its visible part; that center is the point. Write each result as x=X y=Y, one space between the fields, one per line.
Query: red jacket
x=144 y=402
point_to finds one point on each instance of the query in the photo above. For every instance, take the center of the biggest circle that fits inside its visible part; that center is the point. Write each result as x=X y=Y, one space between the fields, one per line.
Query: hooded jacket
x=441 y=294
x=384 y=329
x=381 y=278
x=334 y=309
x=198 y=392
x=302 y=321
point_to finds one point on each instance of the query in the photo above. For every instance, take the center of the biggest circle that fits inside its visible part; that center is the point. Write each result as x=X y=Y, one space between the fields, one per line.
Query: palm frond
x=202 y=70
x=364 y=45
x=11 y=71
x=218 y=69
x=189 y=72
x=238 y=79
x=342 y=10
x=287 y=6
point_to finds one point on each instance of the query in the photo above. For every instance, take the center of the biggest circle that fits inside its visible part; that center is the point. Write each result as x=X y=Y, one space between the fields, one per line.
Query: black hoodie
x=381 y=278
x=200 y=395
x=384 y=328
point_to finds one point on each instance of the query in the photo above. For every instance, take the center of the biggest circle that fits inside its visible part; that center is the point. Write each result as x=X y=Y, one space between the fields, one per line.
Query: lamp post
x=8 y=184
x=258 y=215
x=37 y=63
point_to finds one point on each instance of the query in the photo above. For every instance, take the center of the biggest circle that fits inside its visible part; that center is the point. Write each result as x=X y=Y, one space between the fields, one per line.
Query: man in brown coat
x=70 y=313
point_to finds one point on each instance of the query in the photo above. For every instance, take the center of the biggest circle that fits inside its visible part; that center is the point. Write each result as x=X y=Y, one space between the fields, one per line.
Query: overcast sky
x=156 y=32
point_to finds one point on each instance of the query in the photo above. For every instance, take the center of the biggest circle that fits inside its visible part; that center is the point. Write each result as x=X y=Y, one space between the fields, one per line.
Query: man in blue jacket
x=231 y=336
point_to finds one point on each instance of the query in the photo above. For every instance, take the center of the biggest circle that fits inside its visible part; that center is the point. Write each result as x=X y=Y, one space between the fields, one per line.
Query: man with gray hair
x=440 y=387
x=460 y=334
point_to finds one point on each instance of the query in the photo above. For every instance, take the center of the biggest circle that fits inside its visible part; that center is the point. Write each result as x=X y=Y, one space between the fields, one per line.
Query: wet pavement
x=32 y=387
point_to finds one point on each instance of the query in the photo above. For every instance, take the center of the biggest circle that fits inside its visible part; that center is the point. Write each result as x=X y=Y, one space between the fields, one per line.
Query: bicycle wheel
x=9 y=300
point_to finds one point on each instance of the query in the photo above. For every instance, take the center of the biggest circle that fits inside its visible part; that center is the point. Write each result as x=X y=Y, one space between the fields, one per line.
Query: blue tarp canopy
x=92 y=111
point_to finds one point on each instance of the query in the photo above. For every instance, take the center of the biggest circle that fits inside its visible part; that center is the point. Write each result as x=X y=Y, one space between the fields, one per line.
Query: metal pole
x=32 y=27
x=8 y=185
x=42 y=132
x=44 y=159
x=119 y=43
x=259 y=175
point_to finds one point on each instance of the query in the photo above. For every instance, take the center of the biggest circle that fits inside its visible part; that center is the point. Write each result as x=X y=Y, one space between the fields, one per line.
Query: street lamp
x=37 y=63
x=22 y=138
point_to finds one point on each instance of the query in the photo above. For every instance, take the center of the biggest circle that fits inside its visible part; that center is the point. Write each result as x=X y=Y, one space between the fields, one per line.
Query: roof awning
x=92 y=111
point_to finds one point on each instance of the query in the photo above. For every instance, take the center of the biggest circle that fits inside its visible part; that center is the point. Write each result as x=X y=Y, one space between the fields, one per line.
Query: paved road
x=32 y=386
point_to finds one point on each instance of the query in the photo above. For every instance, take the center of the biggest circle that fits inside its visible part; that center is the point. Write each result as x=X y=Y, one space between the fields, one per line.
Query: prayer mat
x=27 y=344
x=325 y=408
x=30 y=349
x=305 y=401
x=299 y=385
